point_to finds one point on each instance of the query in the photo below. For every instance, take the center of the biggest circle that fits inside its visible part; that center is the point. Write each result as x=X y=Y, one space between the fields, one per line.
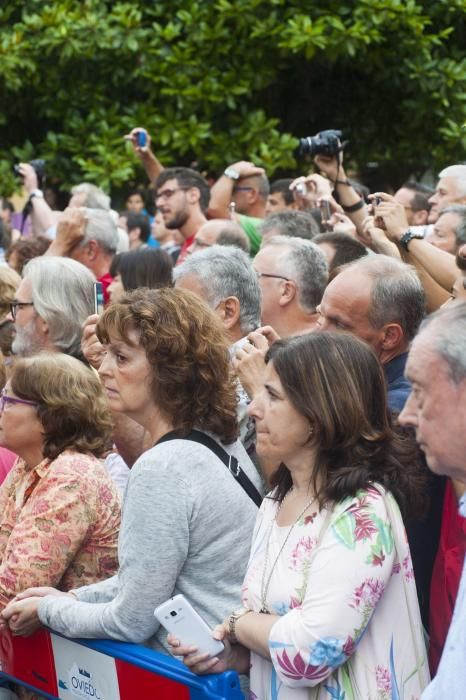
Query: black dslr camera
x=325 y=143
x=39 y=167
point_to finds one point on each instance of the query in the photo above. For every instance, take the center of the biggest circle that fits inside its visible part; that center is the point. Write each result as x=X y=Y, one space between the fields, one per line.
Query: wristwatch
x=36 y=193
x=232 y=173
x=408 y=236
x=232 y=620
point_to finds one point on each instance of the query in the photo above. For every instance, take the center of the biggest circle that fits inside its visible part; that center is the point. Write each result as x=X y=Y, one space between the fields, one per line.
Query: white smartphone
x=180 y=619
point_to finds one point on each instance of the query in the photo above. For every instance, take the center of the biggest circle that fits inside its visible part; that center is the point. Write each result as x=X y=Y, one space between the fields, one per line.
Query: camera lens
x=173 y=613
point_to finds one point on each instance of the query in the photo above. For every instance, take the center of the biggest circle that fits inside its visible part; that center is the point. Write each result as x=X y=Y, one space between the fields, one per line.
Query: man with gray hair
x=449 y=231
x=223 y=277
x=451 y=189
x=380 y=300
x=436 y=409
x=297 y=224
x=219 y=232
x=55 y=297
x=90 y=196
x=89 y=236
x=292 y=273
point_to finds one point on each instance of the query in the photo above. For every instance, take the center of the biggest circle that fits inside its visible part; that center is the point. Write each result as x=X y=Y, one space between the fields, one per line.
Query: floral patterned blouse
x=59 y=525
x=345 y=605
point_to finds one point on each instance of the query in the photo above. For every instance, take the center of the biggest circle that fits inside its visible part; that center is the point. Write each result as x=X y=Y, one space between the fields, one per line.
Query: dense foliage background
x=219 y=80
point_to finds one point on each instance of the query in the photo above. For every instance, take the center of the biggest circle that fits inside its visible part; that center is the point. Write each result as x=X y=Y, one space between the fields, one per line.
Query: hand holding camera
x=307 y=190
x=326 y=148
x=389 y=215
x=33 y=174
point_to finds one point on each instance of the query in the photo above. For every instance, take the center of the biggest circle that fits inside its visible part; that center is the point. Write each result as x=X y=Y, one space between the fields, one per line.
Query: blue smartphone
x=141 y=138
x=98 y=298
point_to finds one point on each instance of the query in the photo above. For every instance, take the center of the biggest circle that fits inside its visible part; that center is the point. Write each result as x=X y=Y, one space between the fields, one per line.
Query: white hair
x=447 y=329
x=95 y=196
x=458 y=174
x=101 y=227
x=63 y=296
x=225 y=271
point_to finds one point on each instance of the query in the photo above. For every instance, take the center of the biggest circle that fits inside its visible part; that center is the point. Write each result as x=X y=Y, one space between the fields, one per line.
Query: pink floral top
x=344 y=631
x=59 y=525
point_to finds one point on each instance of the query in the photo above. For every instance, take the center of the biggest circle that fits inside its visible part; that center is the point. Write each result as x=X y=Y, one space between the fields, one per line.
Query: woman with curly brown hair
x=186 y=522
x=59 y=511
x=330 y=606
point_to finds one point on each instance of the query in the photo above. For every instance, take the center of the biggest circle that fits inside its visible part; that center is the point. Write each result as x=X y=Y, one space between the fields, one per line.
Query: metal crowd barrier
x=55 y=667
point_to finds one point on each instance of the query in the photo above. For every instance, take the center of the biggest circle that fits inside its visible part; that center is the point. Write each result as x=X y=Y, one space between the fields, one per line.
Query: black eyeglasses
x=278 y=277
x=15 y=305
x=168 y=193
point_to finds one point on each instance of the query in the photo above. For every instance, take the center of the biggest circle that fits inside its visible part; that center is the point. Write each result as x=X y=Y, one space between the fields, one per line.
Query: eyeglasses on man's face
x=166 y=194
x=15 y=305
x=5 y=400
x=267 y=274
x=241 y=188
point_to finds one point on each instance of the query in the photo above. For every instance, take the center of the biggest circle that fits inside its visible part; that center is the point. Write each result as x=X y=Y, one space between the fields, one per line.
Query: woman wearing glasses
x=59 y=510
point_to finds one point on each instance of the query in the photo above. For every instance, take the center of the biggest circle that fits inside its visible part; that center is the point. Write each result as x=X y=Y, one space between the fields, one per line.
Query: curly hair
x=192 y=381
x=71 y=404
x=336 y=381
x=26 y=249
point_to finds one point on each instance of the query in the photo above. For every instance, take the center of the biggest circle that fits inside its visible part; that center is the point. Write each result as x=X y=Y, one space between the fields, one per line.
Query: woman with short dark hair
x=330 y=606
x=145 y=267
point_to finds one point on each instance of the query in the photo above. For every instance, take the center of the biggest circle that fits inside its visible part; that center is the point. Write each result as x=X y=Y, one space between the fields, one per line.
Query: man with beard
x=182 y=196
x=54 y=298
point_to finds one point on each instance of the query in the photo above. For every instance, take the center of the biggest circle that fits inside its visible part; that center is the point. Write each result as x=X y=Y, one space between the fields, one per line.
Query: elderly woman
x=59 y=511
x=186 y=521
x=330 y=606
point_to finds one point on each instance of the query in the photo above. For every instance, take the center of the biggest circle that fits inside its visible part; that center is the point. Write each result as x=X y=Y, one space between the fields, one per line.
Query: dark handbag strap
x=229 y=461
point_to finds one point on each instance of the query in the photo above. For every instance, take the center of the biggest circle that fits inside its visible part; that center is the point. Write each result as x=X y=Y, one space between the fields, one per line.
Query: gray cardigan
x=186 y=528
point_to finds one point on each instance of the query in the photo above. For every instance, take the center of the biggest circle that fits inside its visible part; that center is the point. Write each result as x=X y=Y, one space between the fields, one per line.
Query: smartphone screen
x=98 y=298
x=141 y=138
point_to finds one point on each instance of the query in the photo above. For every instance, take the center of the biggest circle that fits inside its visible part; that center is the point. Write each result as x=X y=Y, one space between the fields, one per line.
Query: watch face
x=231 y=172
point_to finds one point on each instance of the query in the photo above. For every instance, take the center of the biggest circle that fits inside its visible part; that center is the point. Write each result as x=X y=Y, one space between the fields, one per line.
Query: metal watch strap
x=232 y=620
x=232 y=173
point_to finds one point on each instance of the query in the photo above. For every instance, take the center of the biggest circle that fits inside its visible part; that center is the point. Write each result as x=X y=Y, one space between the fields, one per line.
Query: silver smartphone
x=98 y=298
x=180 y=619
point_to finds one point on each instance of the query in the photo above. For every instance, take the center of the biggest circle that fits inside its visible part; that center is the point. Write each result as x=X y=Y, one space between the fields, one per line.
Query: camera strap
x=229 y=461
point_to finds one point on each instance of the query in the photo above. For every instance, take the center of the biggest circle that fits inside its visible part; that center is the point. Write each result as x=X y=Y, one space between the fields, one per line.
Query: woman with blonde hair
x=59 y=510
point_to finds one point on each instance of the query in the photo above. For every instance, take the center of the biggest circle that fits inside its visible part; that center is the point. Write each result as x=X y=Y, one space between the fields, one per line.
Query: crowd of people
x=268 y=417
